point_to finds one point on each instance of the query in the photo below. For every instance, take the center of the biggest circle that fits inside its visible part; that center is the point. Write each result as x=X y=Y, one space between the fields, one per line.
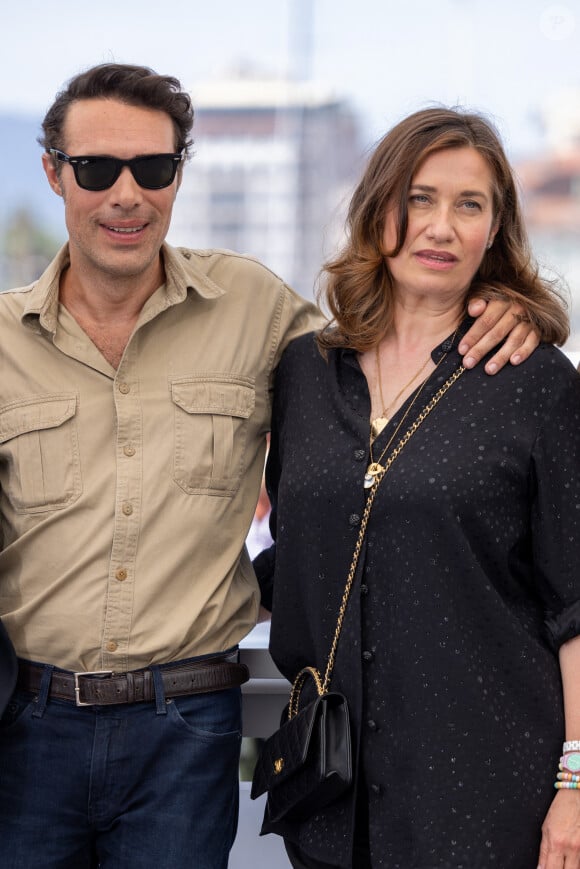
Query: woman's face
x=450 y=224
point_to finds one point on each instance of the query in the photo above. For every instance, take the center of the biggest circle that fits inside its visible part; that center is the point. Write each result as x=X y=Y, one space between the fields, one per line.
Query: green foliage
x=26 y=248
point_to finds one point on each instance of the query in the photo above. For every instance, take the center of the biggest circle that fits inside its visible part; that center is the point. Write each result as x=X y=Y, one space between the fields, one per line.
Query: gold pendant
x=373 y=470
x=377 y=425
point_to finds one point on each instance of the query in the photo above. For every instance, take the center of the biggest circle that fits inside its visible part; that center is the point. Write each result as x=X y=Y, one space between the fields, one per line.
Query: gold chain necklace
x=379 y=422
x=375 y=468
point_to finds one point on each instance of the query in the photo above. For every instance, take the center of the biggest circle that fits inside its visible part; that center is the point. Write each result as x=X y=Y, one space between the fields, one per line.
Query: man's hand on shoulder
x=498 y=320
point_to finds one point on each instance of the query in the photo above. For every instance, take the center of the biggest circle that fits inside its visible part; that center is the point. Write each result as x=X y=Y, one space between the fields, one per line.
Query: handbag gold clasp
x=278 y=765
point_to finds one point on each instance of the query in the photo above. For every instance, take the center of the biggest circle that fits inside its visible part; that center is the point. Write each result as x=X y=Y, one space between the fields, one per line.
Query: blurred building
x=551 y=196
x=561 y=119
x=273 y=167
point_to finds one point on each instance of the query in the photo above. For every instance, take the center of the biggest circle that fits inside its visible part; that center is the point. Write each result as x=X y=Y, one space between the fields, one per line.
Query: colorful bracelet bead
x=567 y=785
x=567 y=776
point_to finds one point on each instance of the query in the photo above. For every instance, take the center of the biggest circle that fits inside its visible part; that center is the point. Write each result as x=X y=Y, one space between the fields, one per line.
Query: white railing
x=264 y=697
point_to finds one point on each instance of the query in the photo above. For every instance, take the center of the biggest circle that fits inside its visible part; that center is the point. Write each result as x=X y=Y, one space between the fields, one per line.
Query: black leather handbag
x=307 y=763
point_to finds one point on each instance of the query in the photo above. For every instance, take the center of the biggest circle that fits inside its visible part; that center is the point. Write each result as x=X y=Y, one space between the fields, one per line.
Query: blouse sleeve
x=264 y=564
x=556 y=512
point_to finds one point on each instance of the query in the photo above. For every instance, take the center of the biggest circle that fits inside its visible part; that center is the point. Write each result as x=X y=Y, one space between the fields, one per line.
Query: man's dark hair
x=134 y=85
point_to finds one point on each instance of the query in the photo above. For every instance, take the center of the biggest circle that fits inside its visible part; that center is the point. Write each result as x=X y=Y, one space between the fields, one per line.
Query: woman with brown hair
x=459 y=652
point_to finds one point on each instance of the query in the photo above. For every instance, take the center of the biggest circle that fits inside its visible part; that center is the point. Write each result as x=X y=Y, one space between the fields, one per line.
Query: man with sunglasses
x=134 y=407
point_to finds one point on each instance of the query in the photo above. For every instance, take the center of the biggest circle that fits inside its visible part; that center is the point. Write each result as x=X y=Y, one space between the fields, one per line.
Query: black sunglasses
x=153 y=171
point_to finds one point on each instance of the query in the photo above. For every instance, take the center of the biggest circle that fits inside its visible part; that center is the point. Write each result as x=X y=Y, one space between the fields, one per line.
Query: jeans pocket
x=213 y=717
x=18 y=710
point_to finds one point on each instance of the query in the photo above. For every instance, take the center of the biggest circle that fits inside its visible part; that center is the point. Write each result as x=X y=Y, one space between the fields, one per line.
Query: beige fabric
x=126 y=495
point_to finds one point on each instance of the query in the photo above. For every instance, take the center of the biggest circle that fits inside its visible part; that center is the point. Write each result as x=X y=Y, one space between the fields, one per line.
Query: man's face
x=114 y=234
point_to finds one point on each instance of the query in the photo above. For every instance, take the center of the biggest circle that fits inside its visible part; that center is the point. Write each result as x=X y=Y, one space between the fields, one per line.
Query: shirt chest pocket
x=211 y=431
x=39 y=453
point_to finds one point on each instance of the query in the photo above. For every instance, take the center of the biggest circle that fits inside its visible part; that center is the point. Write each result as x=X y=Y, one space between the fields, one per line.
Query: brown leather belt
x=105 y=688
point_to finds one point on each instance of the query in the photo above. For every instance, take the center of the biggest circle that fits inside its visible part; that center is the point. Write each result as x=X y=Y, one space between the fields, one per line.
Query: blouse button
x=364 y=589
x=376 y=789
x=354 y=519
x=368 y=656
x=359 y=455
x=372 y=725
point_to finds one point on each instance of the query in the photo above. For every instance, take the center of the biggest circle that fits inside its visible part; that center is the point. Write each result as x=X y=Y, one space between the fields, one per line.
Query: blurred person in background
x=259 y=536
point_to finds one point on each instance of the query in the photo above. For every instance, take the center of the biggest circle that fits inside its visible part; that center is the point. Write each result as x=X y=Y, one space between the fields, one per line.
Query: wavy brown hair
x=358 y=288
x=137 y=86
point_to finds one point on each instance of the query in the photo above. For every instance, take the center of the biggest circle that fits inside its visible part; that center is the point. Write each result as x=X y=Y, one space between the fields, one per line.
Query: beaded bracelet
x=571 y=745
x=567 y=785
x=567 y=776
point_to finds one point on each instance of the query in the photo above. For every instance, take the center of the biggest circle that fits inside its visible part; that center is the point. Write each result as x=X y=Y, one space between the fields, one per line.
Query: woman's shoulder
x=302 y=352
x=306 y=371
x=549 y=362
x=548 y=380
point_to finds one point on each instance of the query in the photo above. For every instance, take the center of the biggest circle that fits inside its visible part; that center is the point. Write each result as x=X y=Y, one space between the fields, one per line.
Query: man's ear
x=51 y=173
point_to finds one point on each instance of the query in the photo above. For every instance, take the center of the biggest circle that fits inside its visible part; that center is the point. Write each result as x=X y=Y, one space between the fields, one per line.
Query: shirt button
x=111 y=646
x=372 y=725
x=364 y=589
x=359 y=455
x=368 y=656
x=354 y=519
x=121 y=574
x=376 y=789
x=129 y=450
x=124 y=388
x=127 y=508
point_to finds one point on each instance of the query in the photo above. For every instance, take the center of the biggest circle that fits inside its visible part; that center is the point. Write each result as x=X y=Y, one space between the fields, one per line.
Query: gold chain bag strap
x=307 y=763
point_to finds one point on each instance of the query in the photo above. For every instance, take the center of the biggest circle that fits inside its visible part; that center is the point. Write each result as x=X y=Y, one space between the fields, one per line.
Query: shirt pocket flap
x=216 y=397
x=35 y=414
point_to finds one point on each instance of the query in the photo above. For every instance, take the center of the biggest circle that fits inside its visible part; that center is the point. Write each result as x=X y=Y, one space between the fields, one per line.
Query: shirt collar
x=452 y=341
x=183 y=274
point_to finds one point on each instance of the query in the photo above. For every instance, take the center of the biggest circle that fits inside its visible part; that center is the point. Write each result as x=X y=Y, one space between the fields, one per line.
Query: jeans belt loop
x=130 y=687
x=42 y=698
x=160 y=704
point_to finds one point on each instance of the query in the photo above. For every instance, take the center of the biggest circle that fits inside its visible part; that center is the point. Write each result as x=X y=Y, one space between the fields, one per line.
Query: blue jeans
x=137 y=786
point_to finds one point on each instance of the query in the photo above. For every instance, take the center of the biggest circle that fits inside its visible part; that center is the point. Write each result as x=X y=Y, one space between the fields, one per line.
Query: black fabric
x=361 y=858
x=8 y=668
x=564 y=625
x=473 y=544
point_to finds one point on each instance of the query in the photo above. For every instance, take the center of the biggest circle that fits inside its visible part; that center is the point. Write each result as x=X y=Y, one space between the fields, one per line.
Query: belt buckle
x=77 y=676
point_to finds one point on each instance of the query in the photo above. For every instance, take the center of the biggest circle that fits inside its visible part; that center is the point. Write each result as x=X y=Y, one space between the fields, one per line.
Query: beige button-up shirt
x=126 y=495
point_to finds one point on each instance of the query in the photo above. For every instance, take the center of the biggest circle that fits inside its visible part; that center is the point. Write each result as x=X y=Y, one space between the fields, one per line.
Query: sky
x=507 y=58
